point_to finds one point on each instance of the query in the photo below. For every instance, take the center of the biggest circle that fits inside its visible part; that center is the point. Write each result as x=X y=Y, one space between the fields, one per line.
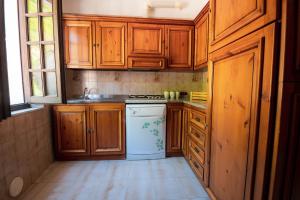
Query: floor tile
x=165 y=179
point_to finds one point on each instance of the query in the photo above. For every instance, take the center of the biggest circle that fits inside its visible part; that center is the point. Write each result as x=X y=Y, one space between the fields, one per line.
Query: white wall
x=133 y=8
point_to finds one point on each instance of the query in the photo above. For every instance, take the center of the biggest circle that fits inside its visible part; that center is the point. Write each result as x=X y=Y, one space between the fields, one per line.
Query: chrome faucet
x=85 y=93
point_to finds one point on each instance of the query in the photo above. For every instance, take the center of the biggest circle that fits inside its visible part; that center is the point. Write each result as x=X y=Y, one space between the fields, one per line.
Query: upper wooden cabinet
x=145 y=39
x=78 y=37
x=108 y=129
x=111 y=45
x=179 y=45
x=201 y=42
x=232 y=19
x=71 y=131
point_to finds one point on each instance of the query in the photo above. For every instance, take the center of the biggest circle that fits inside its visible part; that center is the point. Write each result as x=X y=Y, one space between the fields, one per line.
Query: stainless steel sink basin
x=93 y=98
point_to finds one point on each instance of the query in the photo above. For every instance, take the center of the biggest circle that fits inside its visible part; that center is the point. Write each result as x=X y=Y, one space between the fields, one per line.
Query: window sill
x=33 y=107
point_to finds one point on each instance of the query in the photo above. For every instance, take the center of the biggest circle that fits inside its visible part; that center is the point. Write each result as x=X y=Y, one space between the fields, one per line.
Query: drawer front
x=146 y=63
x=198 y=119
x=198 y=136
x=196 y=166
x=197 y=151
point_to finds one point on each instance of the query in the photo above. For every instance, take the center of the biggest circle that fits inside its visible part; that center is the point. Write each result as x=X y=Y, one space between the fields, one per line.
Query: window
x=12 y=38
x=33 y=51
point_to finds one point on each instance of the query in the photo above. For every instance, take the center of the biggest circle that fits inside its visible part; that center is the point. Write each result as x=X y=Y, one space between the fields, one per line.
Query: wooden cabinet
x=108 y=131
x=90 y=44
x=197 y=143
x=79 y=51
x=179 y=46
x=174 y=125
x=145 y=40
x=89 y=131
x=71 y=136
x=201 y=41
x=111 y=45
x=95 y=42
x=233 y=19
x=242 y=90
x=184 y=133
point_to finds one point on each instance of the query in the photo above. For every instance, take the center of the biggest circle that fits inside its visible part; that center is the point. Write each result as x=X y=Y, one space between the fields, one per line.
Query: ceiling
x=134 y=8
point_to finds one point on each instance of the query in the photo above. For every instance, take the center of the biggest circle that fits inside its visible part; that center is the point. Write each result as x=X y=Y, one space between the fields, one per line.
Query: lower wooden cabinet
x=197 y=141
x=71 y=136
x=107 y=128
x=86 y=131
x=174 y=125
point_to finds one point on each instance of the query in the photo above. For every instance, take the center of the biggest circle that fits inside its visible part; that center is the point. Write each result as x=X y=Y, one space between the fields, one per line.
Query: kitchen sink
x=91 y=98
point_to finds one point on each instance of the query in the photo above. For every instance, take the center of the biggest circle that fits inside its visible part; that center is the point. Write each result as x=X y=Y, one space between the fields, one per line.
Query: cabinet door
x=201 y=42
x=78 y=44
x=145 y=39
x=242 y=93
x=179 y=46
x=233 y=19
x=111 y=45
x=71 y=138
x=185 y=122
x=107 y=127
x=174 y=117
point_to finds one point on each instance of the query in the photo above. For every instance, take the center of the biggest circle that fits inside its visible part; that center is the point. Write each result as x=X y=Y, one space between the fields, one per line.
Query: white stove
x=145 y=99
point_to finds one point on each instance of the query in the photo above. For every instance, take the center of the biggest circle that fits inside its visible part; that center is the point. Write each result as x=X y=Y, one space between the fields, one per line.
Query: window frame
x=25 y=55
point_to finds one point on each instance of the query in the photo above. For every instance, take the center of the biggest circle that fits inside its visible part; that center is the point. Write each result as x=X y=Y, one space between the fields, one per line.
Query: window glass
x=14 y=66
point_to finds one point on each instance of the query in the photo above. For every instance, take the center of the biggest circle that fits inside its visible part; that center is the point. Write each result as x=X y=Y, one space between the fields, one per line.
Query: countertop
x=122 y=98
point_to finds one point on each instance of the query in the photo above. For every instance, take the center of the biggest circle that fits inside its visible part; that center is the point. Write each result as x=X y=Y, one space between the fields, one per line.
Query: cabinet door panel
x=174 y=117
x=201 y=42
x=107 y=124
x=241 y=72
x=111 y=45
x=233 y=19
x=179 y=46
x=185 y=123
x=78 y=44
x=145 y=39
x=71 y=131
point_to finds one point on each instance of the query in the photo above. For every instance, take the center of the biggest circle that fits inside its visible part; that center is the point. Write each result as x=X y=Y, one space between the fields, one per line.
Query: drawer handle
x=197 y=150
x=197 y=119
x=196 y=165
x=197 y=135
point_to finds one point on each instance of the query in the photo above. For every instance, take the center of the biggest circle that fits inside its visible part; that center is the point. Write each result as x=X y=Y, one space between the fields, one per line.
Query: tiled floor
x=169 y=178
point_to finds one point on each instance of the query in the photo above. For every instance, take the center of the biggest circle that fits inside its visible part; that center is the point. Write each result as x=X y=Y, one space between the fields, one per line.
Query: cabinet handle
x=197 y=119
x=90 y=131
x=197 y=135
x=196 y=165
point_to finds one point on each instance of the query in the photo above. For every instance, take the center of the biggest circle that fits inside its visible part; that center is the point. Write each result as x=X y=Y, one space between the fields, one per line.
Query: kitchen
x=149 y=99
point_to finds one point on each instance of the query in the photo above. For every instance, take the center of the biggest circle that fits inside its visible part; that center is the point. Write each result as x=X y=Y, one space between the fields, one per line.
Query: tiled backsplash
x=120 y=82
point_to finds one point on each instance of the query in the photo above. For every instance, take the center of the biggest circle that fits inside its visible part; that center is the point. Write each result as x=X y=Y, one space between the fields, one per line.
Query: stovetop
x=146 y=99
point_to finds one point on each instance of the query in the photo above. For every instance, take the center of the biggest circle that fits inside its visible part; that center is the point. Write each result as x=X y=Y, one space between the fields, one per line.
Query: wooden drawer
x=198 y=119
x=197 y=136
x=197 y=151
x=196 y=166
x=139 y=63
